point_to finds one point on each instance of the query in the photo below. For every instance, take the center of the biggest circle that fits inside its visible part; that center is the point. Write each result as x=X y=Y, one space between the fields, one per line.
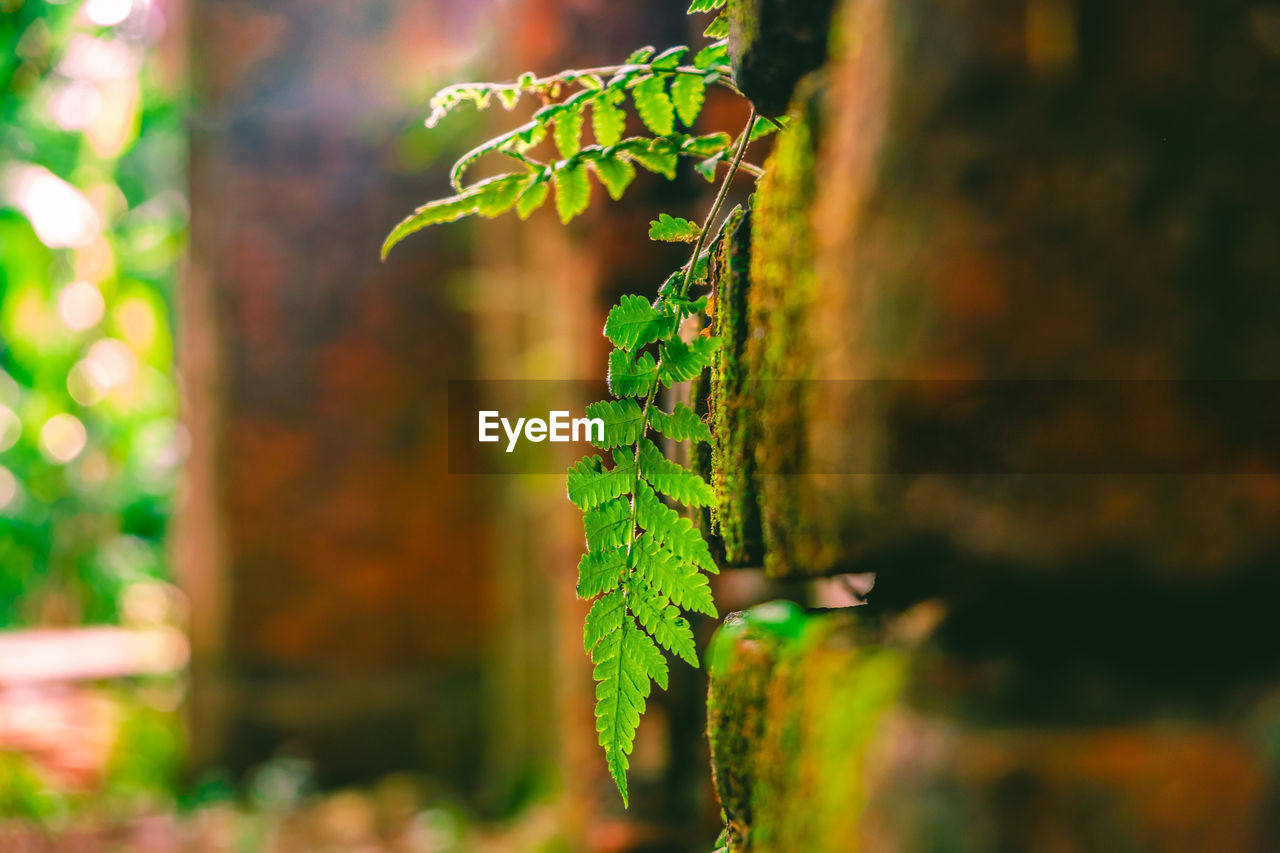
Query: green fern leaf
x=608 y=525
x=532 y=198
x=631 y=378
x=673 y=479
x=640 y=55
x=688 y=91
x=623 y=422
x=654 y=105
x=662 y=620
x=763 y=126
x=601 y=571
x=604 y=618
x=490 y=196
x=707 y=168
x=525 y=138
x=501 y=195
x=633 y=322
x=707 y=145
x=687 y=307
x=682 y=362
x=675 y=578
x=665 y=526
x=673 y=229
x=615 y=173
x=591 y=484
x=719 y=28
x=681 y=425
x=705 y=6
x=509 y=96
x=445 y=210
x=568 y=133
x=573 y=190
x=712 y=55
x=656 y=155
x=669 y=59
x=626 y=661
x=608 y=120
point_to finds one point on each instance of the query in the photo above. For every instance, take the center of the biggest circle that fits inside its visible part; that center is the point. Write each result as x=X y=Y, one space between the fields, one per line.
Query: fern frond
x=511 y=140
x=490 y=193
x=631 y=378
x=604 y=618
x=615 y=173
x=677 y=579
x=634 y=322
x=683 y=424
x=501 y=194
x=688 y=91
x=573 y=190
x=673 y=229
x=608 y=121
x=705 y=6
x=669 y=59
x=654 y=105
x=763 y=126
x=601 y=571
x=568 y=132
x=623 y=422
x=608 y=525
x=672 y=478
x=640 y=55
x=706 y=145
x=712 y=55
x=681 y=362
x=626 y=661
x=657 y=155
x=666 y=527
x=591 y=484
x=718 y=28
x=662 y=620
x=533 y=197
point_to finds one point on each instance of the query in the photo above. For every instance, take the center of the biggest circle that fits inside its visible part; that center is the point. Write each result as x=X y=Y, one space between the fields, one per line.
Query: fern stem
x=723 y=193
x=569 y=76
x=743 y=141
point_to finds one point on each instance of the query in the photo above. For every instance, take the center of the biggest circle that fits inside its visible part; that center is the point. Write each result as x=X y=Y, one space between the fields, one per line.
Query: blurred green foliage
x=92 y=223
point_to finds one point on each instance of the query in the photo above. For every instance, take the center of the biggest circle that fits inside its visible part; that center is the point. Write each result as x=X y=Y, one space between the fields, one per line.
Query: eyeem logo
x=558 y=427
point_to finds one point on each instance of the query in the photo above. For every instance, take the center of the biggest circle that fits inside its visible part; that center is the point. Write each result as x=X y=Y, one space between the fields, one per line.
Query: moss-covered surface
x=778 y=357
x=732 y=464
x=773 y=43
x=794 y=700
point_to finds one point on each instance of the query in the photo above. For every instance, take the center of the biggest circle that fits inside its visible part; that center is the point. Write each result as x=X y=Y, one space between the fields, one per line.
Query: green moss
x=778 y=355
x=794 y=700
x=825 y=702
x=740 y=660
x=732 y=417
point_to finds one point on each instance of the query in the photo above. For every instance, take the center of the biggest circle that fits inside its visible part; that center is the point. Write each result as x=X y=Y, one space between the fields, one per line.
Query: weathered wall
x=337 y=588
x=1009 y=304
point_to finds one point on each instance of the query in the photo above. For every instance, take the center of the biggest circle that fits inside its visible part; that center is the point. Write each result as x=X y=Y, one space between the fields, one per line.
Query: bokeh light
x=108 y=13
x=88 y=382
x=60 y=214
x=80 y=305
x=8 y=488
x=115 y=360
x=10 y=427
x=62 y=438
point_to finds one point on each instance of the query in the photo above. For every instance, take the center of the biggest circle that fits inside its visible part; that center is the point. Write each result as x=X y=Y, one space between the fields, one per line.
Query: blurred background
x=243 y=605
